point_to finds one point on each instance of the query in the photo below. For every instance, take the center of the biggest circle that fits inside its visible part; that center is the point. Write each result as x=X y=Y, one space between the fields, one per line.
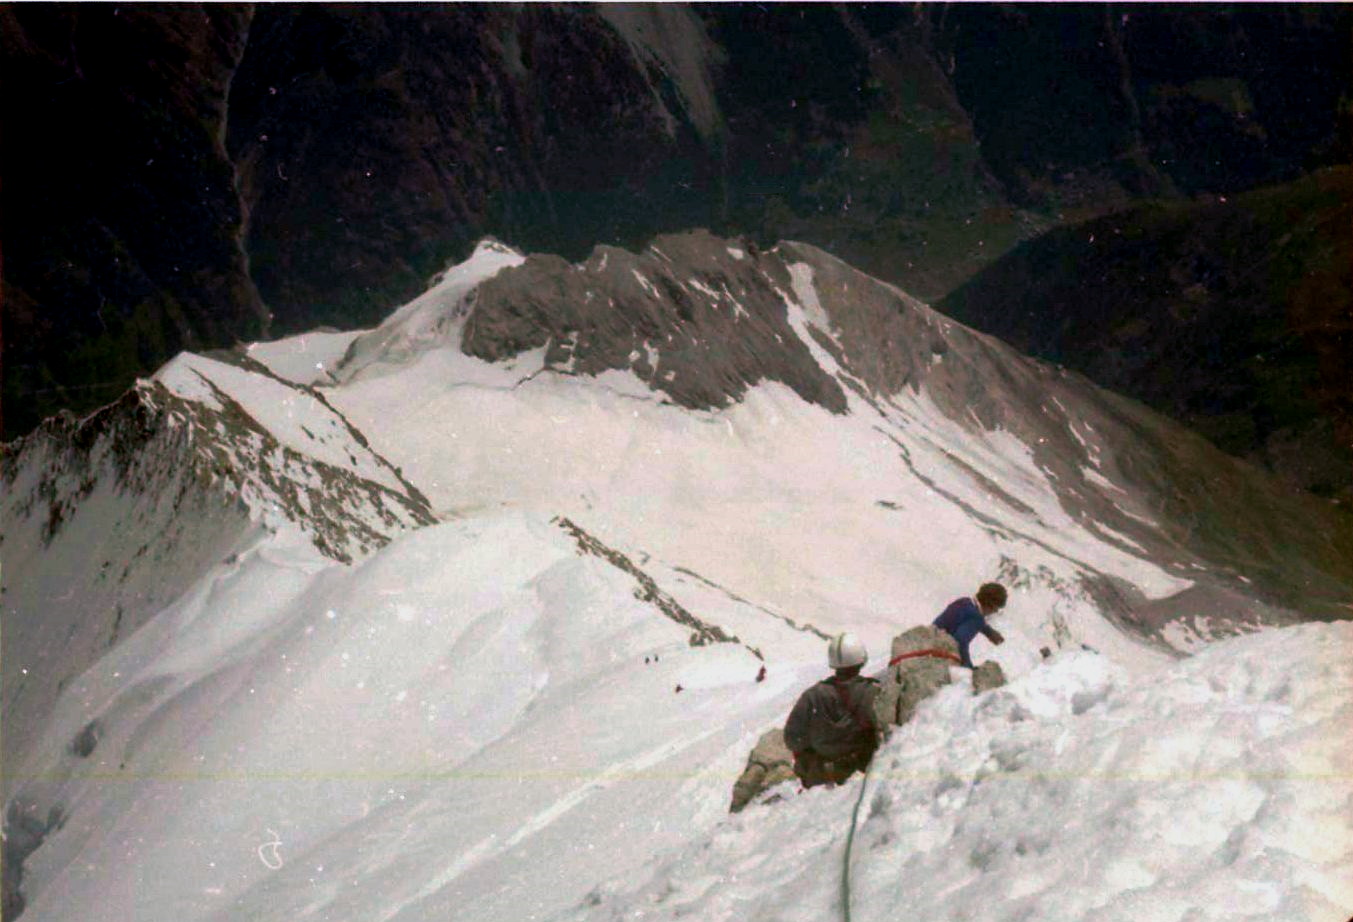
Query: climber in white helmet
x=833 y=730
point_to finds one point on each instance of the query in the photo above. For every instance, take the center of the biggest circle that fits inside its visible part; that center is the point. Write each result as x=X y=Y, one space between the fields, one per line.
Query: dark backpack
x=848 y=733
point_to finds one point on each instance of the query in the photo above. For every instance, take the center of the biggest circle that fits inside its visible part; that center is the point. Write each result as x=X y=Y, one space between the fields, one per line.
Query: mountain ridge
x=387 y=675
x=873 y=341
x=168 y=480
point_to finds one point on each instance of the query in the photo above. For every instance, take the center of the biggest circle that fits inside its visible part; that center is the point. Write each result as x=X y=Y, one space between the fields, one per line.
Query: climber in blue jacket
x=965 y=618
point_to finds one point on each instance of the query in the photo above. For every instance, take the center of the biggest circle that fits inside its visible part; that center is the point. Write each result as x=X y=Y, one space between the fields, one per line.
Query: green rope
x=850 y=842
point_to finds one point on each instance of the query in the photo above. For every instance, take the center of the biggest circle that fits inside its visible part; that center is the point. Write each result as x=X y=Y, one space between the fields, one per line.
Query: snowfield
x=489 y=718
x=408 y=732
x=406 y=740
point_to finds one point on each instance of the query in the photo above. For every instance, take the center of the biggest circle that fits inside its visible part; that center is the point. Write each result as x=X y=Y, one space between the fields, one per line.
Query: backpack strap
x=850 y=708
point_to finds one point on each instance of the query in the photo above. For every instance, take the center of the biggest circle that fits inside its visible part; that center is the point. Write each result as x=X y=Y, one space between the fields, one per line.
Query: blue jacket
x=963 y=621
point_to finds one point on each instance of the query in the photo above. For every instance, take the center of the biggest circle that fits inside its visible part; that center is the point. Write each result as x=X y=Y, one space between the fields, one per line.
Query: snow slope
x=1213 y=789
x=406 y=729
x=776 y=499
x=104 y=521
x=405 y=739
x=360 y=714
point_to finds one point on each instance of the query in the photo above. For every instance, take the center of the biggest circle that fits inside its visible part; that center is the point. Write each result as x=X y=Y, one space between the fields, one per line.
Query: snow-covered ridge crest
x=105 y=520
x=288 y=455
x=702 y=632
x=1215 y=789
x=432 y=319
x=700 y=323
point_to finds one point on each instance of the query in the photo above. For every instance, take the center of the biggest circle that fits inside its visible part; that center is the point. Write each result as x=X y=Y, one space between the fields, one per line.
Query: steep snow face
x=1213 y=789
x=384 y=740
x=102 y=523
x=107 y=520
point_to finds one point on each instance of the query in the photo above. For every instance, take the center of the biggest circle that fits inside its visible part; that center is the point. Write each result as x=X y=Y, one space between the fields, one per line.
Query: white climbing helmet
x=846 y=650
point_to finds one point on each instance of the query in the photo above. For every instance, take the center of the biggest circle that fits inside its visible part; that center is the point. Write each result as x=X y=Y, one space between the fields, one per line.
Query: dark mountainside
x=186 y=176
x=1233 y=315
x=120 y=220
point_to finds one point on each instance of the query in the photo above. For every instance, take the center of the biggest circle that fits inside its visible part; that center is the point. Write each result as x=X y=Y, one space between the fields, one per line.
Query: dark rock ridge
x=701 y=319
x=172 y=169
x=1232 y=315
x=702 y=632
x=803 y=627
x=698 y=318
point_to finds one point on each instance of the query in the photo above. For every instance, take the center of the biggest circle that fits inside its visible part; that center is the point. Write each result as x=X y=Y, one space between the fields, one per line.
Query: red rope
x=942 y=654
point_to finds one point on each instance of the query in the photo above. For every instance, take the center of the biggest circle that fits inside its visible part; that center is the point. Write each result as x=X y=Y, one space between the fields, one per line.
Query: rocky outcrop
x=24 y=833
x=769 y=764
x=902 y=686
x=987 y=676
x=914 y=677
x=699 y=318
x=702 y=632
